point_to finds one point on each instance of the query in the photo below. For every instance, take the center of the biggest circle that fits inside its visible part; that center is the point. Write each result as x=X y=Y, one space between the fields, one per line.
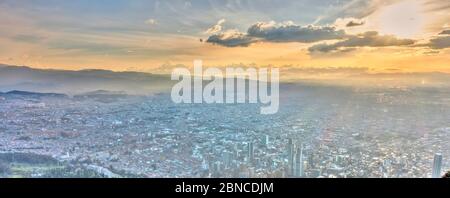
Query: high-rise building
x=437 y=164
x=298 y=170
x=250 y=152
x=290 y=155
x=227 y=158
x=311 y=161
x=265 y=140
x=217 y=169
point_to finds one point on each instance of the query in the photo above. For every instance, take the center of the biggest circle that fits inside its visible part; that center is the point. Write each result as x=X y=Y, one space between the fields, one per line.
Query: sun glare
x=404 y=19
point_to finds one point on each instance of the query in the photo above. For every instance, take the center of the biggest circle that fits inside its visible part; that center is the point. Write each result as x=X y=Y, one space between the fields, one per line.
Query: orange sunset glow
x=407 y=35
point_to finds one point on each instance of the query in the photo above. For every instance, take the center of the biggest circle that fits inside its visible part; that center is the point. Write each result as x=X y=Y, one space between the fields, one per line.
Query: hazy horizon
x=329 y=88
x=146 y=36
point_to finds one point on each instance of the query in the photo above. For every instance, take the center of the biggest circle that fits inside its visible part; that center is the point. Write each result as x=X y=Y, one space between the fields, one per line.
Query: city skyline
x=225 y=88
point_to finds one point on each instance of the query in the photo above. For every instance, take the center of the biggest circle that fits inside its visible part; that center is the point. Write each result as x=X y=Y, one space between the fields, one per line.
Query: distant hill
x=27 y=94
x=77 y=82
x=103 y=92
x=102 y=96
x=80 y=82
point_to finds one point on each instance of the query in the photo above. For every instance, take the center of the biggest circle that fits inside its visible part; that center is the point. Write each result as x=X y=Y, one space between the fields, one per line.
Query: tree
x=447 y=175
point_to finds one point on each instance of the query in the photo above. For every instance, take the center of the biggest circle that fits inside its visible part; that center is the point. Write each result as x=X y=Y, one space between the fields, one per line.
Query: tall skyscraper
x=437 y=164
x=265 y=140
x=311 y=161
x=227 y=158
x=250 y=151
x=298 y=170
x=290 y=155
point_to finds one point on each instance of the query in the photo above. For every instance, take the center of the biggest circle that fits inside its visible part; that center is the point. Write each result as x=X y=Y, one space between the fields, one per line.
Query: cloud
x=231 y=38
x=325 y=70
x=354 y=8
x=445 y=32
x=431 y=52
x=290 y=32
x=28 y=38
x=151 y=22
x=440 y=42
x=274 y=32
x=349 y=22
x=322 y=47
x=367 y=39
x=355 y=23
x=216 y=28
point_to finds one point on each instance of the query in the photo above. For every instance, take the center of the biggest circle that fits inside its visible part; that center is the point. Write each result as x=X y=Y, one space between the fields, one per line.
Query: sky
x=155 y=36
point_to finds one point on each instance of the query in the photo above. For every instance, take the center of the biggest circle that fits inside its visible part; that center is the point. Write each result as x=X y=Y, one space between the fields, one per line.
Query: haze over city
x=85 y=88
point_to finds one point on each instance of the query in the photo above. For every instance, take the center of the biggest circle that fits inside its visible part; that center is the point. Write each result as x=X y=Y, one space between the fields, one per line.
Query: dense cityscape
x=212 y=98
x=320 y=131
